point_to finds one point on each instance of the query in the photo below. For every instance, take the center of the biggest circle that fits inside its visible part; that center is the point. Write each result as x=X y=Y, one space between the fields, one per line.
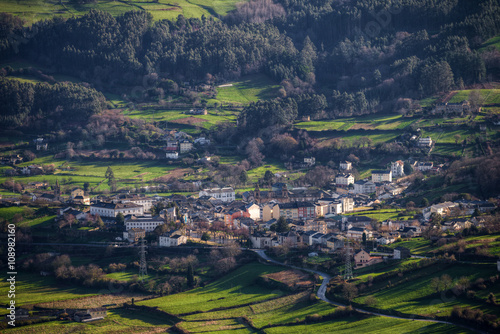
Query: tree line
x=23 y=103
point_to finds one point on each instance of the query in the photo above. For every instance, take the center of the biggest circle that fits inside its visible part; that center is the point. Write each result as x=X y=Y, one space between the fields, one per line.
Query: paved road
x=322 y=291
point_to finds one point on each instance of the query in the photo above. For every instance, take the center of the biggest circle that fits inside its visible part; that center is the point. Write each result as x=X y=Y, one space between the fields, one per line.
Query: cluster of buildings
x=178 y=142
x=381 y=182
x=452 y=108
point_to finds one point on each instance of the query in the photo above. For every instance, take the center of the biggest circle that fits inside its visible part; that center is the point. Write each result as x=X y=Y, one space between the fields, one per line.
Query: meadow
x=251 y=88
x=183 y=118
x=117 y=321
x=421 y=246
x=369 y=122
x=36 y=10
x=411 y=293
x=235 y=289
x=380 y=215
x=492 y=42
x=487 y=96
x=356 y=325
x=31 y=288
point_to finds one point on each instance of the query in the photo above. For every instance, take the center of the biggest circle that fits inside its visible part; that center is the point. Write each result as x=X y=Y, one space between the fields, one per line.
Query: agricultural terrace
x=35 y=10
x=486 y=96
x=357 y=324
x=486 y=245
x=409 y=291
x=117 y=321
x=369 y=122
x=182 y=118
x=238 y=288
x=208 y=309
x=31 y=288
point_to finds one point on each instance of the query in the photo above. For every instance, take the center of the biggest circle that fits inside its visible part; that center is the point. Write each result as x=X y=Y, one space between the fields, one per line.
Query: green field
x=356 y=325
x=370 y=122
x=380 y=215
x=31 y=288
x=36 y=10
x=183 y=118
x=235 y=289
x=127 y=173
x=488 y=96
x=248 y=89
x=411 y=293
x=117 y=321
x=492 y=42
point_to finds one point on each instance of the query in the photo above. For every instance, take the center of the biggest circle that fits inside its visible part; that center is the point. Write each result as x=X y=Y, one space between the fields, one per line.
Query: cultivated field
x=35 y=10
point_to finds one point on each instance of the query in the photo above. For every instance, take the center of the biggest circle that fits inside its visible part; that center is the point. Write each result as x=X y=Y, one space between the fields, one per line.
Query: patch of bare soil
x=364 y=126
x=292 y=278
x=174 y=175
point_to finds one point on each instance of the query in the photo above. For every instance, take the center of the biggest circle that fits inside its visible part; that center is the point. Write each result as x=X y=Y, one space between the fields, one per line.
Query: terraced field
x=35 y=10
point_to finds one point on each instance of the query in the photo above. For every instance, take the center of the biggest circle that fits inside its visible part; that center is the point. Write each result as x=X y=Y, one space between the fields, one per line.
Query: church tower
x=256 y=193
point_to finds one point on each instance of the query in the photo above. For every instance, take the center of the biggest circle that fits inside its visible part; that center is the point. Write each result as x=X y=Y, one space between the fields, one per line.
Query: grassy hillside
x=36 y=10
x=235 y=289
x=248 y=89
x=117 y=321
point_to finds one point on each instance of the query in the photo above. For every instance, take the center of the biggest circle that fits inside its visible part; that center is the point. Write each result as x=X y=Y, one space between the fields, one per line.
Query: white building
x=310 y=161
x=147 y=223
x=347 y=204
x=224 y=194
x=344 y=179
x=346 y=165
x=364 y=187
x=202 y=141
x=172 y=155
x=425 y=166
x=185 y=146
x=172 y=240
x=253 y=210
x=425 y=142
x=146 y=202
x=112 y=210
x=382 y=176
x=397 y=168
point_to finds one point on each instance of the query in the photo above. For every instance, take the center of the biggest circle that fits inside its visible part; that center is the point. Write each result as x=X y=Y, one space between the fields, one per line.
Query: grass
x=35 y=10
x=414 y=295
x=31 y=288
x=9 y=212
x=380 y=215
x=357 y=325
x=116 y=321
x=492 y=42
x=237 y=288
x=127 y=173
x=370 y=122
x=124 y=276
x=38 y=222
x=248 y=89
x=181 y=117
x=488 y=96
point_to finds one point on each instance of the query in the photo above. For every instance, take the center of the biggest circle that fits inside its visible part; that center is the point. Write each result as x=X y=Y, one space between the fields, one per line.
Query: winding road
x=322 y=294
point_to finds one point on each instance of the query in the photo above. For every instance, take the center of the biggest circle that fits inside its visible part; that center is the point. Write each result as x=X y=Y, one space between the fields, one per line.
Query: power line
x=348 y=265
x=143 y=268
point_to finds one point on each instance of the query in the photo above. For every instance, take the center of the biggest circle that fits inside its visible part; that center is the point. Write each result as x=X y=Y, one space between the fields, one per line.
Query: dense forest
x=333 y=58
